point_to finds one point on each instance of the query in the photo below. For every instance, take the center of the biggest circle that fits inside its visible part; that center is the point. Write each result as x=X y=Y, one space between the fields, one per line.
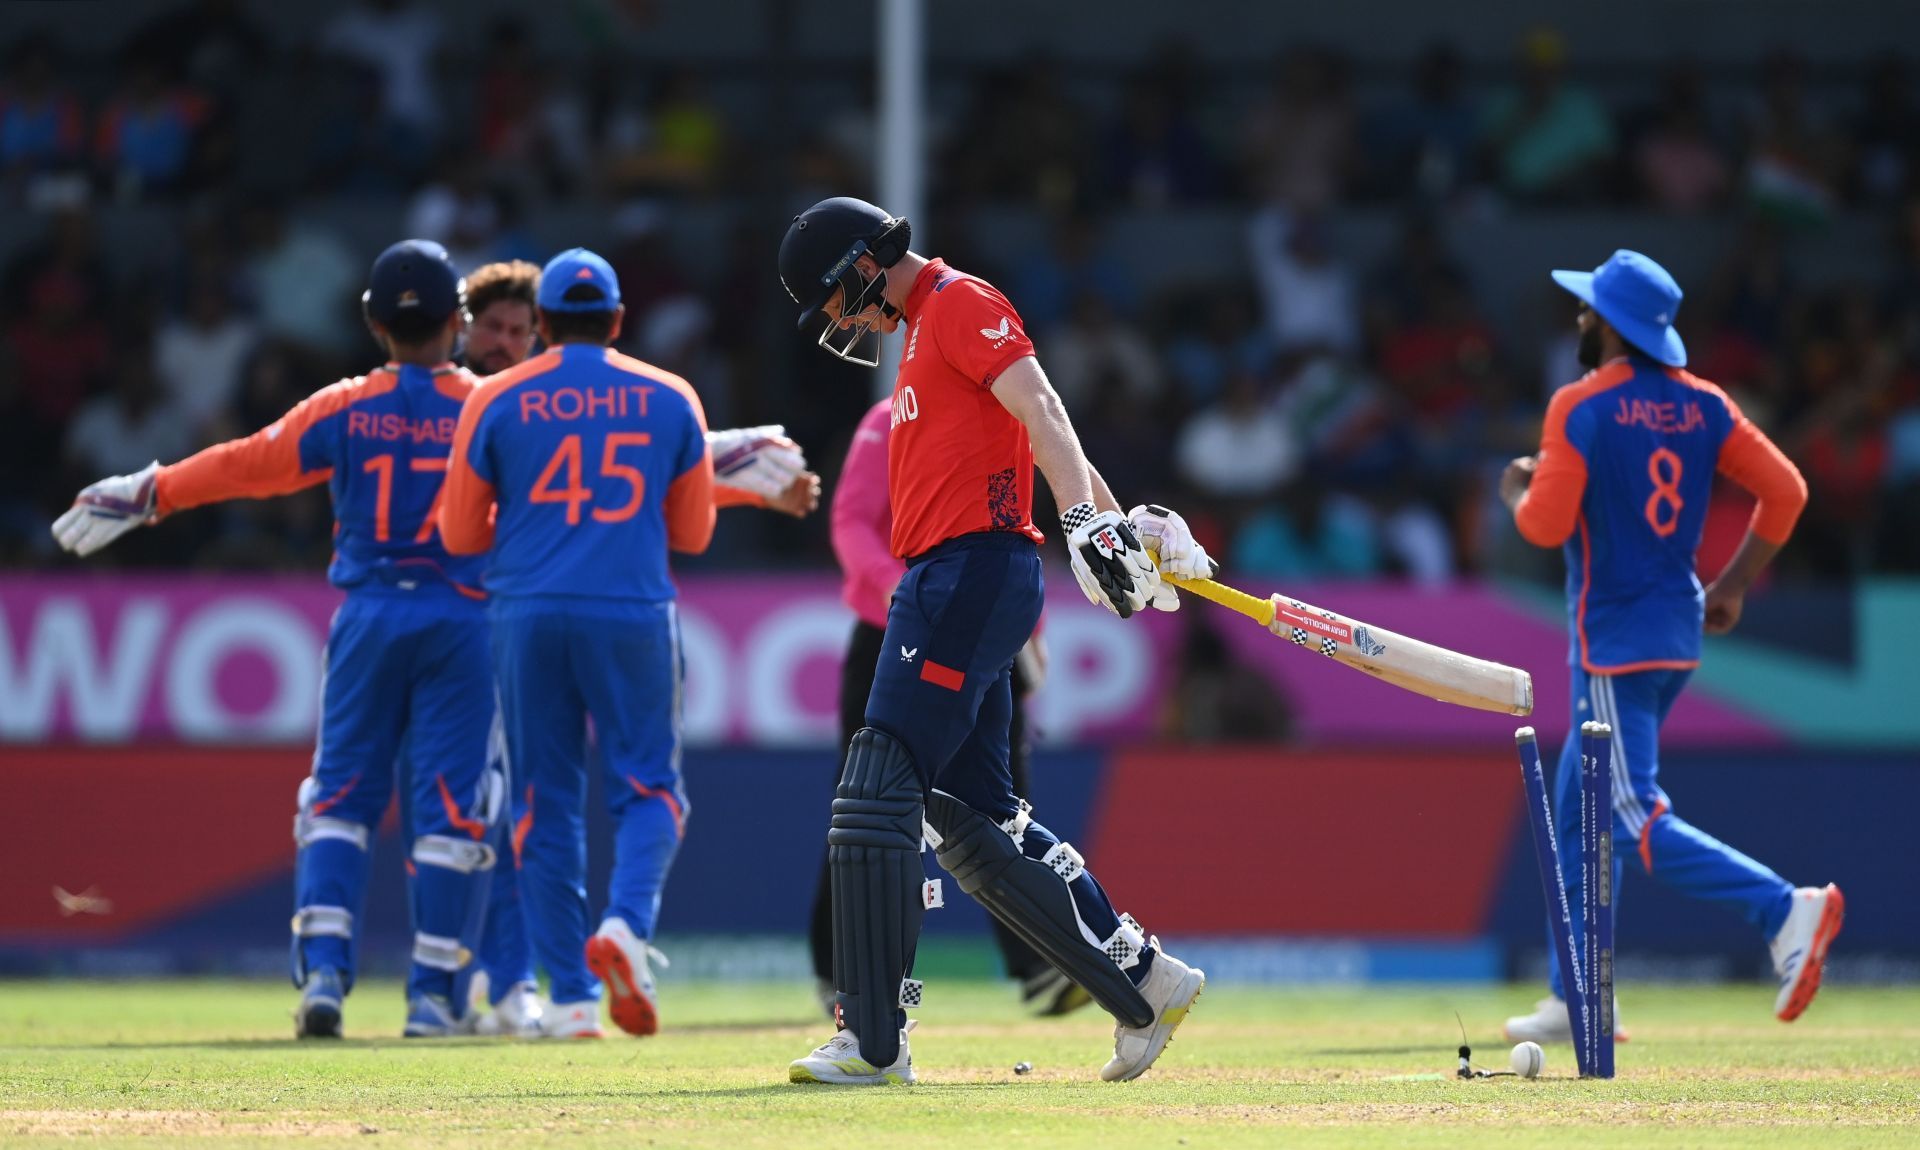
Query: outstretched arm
x=279 y=459
x=762 y=467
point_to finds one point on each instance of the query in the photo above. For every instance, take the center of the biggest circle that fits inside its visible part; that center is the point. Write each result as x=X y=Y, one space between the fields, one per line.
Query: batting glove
x=1175 y=551
x=107 y=510
x=760 y=460
x=1109 y=563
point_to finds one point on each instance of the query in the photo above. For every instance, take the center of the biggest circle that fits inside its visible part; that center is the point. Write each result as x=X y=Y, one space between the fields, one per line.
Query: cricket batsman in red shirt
x=972 y=414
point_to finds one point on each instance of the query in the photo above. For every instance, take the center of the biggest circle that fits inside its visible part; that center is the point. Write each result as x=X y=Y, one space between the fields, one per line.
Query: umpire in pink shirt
x=862 y=522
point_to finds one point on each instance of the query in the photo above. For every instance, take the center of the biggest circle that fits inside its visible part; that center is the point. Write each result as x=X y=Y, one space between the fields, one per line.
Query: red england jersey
x=957 y=461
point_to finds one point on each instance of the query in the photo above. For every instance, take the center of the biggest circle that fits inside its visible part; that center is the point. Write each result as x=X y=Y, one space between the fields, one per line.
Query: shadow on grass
x=774 y=1027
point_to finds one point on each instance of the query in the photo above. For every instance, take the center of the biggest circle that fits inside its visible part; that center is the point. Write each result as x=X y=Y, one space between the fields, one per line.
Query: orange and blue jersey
x=1627 y=460
x=380 y=443
x=580 y=470
x=587 y=466
x=407 y=683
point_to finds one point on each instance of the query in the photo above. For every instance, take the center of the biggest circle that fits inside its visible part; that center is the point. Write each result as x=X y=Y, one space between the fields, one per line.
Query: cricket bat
x=1423 y=668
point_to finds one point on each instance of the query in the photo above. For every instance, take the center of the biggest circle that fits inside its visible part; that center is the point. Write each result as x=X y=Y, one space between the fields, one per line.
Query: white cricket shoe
x=516 y=1015
x=1170 y=988
x=1800 y=949
x=838 y=1063
x=1551 y=1021
x=571 y=1020
x=618 y=957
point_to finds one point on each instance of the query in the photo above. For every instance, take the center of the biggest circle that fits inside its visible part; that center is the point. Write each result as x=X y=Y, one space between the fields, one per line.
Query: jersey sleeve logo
x=1001 y=334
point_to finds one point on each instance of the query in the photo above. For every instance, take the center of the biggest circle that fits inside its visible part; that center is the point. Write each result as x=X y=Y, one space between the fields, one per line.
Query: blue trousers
x=407 y=688
x=1645 y=827
x=943 y=685
x=565 y=664
x=506 y=954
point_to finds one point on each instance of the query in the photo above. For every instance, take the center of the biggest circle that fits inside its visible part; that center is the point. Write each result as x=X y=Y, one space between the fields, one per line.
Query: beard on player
x=489 y=361
x=1588 y=351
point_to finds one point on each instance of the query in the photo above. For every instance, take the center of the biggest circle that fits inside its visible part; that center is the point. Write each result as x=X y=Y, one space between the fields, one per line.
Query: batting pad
x=873 y=852
x=1033 y=899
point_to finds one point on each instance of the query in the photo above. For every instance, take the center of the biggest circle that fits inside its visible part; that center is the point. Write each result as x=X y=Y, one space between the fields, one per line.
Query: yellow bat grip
x=1252 y=606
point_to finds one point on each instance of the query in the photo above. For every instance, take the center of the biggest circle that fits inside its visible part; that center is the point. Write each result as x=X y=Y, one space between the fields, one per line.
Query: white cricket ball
x=1528 y=1059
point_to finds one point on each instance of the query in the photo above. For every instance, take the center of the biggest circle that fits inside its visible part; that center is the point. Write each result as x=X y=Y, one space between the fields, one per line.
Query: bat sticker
x=1328 y=628
x=1369 y=646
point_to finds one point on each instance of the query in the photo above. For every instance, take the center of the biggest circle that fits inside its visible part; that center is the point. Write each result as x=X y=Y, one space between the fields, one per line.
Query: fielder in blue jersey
x=407 y=661
x=1627 y=460
x=755 y=467
x=581 y=469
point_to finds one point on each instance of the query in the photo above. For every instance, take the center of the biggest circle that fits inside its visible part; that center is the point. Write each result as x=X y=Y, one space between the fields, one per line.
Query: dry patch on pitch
x=169 y=1123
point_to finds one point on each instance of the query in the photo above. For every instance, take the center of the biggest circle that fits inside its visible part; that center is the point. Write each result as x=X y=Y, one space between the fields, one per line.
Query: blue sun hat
x=1638 y=298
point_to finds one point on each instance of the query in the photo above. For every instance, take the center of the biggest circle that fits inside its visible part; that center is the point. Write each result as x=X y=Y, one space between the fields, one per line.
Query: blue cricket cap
x=1638 y=298
x=578 y=268
x=414 y=278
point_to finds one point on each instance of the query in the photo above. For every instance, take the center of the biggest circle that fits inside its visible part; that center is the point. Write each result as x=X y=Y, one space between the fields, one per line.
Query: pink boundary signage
x=236 y=659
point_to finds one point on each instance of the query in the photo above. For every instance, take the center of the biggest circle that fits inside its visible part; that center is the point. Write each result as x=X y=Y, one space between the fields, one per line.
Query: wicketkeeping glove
x=1164 y=533
x=761 y=460
x=1108 y=561
x=107 y=510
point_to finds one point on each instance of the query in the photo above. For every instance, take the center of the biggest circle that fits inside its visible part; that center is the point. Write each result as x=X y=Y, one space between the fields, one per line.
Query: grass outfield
x=210 y=1063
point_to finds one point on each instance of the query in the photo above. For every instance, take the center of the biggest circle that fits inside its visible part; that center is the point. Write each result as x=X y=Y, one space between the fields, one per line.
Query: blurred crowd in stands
x=1314 y=414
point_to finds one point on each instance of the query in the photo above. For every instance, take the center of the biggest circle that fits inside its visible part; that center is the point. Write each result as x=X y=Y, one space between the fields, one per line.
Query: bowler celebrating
x=972 y=414
x=1626 y=464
